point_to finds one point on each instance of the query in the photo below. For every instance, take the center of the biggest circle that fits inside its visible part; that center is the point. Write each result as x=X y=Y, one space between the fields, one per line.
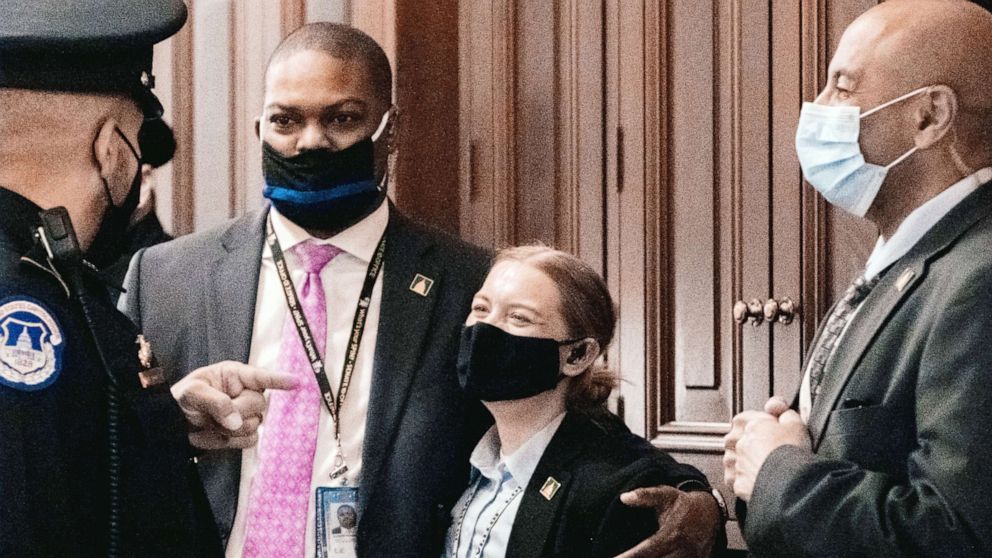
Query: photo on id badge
x=337 y=521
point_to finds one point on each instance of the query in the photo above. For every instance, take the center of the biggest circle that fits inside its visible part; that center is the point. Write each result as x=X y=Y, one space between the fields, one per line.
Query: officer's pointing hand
x=224 y=403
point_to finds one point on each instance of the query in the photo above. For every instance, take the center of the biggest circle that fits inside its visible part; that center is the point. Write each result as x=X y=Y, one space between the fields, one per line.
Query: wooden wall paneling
x=816 y=288
x=628 y=244
x=328 y=10
x=162 y=69
x=658 y=209
x=476 y=114
x=504 y=122
x=786 y=209
x=211 y=113
x=579 y=218
x=377 y=18
x=183 y=90
x=488 y=91
x=751 y=157
x=727 y=210
x=427 y=79
x=292 y=15
x=536 y=80
x=256 y=31
x=699 y=95
x=695 y=189
x=611 y=176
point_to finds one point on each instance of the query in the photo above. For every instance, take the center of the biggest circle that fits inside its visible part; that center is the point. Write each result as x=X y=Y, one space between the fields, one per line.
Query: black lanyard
x=303 y=327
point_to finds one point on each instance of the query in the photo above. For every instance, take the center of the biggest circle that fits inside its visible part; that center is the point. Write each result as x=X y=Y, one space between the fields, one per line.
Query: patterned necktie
x=836 y=323
x=280 y=491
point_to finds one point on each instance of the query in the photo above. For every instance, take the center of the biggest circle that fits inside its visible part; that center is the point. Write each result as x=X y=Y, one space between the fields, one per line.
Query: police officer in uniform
x=94 y=455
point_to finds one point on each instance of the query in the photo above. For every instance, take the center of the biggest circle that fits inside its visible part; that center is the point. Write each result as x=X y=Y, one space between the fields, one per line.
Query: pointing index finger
x=257 y=379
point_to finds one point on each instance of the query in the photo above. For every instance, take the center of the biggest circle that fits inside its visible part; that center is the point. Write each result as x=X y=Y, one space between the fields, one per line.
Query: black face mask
x=494 y=365
x=110 y=241
x=324 y=189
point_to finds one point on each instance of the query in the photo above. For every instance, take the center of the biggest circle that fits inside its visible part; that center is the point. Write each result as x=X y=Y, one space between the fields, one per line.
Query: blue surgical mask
x=831 y=158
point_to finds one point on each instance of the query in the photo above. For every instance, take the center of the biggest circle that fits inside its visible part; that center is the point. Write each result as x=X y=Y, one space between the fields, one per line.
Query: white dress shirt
x=494 y=492
x=342 y=279
x=887 y=252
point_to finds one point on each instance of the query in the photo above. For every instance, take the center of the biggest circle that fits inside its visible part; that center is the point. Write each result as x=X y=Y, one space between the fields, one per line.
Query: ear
x=935 y=115
x=258 y=127
x=106 y=151
x=579 y=356
x=392 y=133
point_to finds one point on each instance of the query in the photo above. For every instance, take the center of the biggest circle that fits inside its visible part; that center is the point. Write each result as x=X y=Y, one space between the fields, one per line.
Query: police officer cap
x=96 y=46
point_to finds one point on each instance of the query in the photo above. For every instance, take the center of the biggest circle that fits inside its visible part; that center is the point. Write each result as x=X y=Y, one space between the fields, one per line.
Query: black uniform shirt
x=54 y=479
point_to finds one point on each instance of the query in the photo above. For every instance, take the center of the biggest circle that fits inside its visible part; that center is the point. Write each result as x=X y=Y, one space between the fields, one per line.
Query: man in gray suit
x=887 y=449
x=400 y=449
x=217 y=296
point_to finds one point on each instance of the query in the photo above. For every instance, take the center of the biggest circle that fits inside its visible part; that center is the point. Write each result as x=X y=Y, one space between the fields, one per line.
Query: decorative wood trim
x=659 y=362
x=816 y=279
x=426 y=79
x=182 y=124
x=567 y=156
x=736 y=199
x=292 y=16
x=504 y=123
x=717 y=294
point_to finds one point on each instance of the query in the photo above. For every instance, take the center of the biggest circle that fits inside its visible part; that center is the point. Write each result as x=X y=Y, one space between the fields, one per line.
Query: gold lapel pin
x=421 y=285
x=904 y=279
x=151 y=374
x=550 y=488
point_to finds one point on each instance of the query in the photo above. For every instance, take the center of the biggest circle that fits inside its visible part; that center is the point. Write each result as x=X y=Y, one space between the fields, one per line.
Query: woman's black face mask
x=494 y=365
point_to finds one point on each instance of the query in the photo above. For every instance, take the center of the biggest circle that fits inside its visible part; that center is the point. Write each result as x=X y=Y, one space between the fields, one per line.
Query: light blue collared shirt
x=483 y=517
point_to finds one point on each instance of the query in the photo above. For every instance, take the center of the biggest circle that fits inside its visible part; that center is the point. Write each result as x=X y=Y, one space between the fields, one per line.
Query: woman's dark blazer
x=595 y=458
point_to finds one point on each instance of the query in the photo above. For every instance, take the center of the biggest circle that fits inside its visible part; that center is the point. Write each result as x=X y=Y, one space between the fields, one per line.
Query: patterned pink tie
x=280 y=491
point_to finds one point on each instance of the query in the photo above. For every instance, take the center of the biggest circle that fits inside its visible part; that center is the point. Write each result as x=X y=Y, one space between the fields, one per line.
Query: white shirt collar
x=920 y=221
x=359 y=240
x=487 y=457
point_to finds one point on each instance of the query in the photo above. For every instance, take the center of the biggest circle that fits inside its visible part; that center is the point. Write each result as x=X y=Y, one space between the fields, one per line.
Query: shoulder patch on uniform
x=31 y=344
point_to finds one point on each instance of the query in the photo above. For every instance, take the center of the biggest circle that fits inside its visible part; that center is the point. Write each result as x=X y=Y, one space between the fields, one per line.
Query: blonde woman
x=546 y=479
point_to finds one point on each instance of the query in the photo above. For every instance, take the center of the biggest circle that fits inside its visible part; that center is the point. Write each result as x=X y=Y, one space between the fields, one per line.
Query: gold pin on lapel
x=421 y=285
x=151 y=374
x=904 y=279
x=550 y=488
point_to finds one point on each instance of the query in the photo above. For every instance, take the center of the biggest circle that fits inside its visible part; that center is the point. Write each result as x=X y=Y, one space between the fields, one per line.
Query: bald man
x=887 y=448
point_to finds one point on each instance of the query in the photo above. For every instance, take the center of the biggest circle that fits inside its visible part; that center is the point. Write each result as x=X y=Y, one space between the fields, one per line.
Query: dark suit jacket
x=195 y=300
x=595 y=459
x=902 y=430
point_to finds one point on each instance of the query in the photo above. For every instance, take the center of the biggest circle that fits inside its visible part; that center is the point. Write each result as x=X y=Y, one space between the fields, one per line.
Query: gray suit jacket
x=902 y=430
x=194 y=298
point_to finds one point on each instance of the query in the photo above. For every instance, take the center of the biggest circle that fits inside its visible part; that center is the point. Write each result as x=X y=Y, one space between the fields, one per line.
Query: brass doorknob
x=787 y=310
x=783 y=311
x=745 y=311
x=771 y=309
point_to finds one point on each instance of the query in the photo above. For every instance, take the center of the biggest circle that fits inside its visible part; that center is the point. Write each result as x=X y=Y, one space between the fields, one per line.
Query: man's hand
x=224 y=403
x=761 y=437
x=774 y=407
x=689 y=522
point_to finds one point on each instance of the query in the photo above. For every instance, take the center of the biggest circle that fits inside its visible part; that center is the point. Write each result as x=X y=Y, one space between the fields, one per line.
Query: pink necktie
x=280 y=491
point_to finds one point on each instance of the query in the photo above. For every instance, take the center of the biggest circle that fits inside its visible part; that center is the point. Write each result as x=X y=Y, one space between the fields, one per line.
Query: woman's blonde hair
x=587 y=308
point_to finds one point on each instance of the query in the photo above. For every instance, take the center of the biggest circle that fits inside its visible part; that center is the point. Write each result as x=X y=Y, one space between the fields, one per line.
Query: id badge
x=337 y=521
